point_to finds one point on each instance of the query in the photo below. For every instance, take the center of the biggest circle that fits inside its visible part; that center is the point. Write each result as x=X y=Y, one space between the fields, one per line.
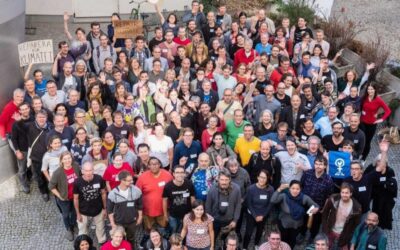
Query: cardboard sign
x=39 y=51
x=127 y=28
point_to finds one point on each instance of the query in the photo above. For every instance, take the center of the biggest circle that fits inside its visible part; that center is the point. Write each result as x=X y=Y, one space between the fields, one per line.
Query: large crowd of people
x=202 y=136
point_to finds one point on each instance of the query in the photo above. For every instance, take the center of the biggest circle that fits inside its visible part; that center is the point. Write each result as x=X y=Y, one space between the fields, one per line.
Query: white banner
x=39 y=51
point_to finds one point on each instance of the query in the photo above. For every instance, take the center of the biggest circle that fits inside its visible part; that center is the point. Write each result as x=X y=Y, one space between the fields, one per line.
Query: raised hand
x=66 y=16
x=370 y=66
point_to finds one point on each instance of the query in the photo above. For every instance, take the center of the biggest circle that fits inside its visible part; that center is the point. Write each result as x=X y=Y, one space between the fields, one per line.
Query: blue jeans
x=67 y=212
x=175 y=224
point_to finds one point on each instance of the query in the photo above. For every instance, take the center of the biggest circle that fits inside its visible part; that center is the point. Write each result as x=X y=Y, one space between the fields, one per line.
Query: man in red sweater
x=284 y=67
x=10 y=113
x=247 y=55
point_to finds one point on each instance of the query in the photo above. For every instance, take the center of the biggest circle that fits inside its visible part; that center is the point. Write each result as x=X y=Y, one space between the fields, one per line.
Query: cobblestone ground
x=28 y=222
x=377 y=18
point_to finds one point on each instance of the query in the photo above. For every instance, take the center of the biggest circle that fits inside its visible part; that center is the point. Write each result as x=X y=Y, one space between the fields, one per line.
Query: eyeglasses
x=80 y=117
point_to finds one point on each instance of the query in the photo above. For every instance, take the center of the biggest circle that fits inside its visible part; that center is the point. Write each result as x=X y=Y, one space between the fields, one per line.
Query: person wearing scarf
x=293 y=206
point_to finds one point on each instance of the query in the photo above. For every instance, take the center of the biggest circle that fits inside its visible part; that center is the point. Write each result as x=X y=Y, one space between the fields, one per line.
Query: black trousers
x=315 y=226
x=289 y=235
x=40 y=178
x=251 y=223
x=130 y=230
x=369 y=130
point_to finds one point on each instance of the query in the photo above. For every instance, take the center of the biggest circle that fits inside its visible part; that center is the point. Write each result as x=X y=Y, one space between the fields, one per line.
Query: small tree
x=375 y=52
x=340 y=33
x=293 y=9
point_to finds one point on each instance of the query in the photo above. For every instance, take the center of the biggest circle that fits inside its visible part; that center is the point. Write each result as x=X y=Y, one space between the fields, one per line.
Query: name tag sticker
x=303 y=137
x=371 y=246
x=355 y=141
x=302 y=116
x=97 y=185
x=383 y=178
x=192 y=156
x=130 y=204
x=263 y=196
x=200 y=231
x=362 y=189
x=161 y=184
x=65 y=141
x=224 y=204
x=165 y=50
x=124 y=132
x=185 y=195
x=204 y=192
x=240 y=135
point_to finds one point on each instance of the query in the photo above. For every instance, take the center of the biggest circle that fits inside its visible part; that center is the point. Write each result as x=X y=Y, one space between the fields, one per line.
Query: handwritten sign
x=39 y=51
x=127 y=28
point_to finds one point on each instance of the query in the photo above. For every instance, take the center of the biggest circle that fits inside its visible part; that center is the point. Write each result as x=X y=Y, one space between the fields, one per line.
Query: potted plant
x=378 y=52
x=394 y=118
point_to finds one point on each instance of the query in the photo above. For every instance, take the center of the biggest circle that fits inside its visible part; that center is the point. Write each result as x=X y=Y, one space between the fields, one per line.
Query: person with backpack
x=267 y=161
x=101 y=52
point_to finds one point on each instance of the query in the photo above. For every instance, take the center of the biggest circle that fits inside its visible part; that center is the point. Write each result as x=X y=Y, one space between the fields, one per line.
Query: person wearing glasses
x=188 y=149
x=274 y=242
x=124 y=206
x=363 y=183
x=178 y=196
x=80 y=122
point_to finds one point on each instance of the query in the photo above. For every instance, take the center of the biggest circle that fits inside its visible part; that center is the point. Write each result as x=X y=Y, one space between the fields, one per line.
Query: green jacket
x=151 y=109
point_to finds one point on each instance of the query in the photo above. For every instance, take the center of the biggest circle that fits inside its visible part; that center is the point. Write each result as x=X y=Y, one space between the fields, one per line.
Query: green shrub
x=295 y=9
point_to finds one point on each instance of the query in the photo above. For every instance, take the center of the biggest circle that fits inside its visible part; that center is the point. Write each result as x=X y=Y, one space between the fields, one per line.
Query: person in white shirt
x=293 y=163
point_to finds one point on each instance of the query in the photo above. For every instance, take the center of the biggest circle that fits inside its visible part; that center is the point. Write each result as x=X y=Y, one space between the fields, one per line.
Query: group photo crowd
x=217 y=132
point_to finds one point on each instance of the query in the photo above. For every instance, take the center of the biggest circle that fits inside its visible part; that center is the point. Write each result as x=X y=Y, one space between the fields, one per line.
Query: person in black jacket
x=207 y=95
x=385 y=191
x=20 y=144
x=37 y=133
x=265 y=160
x=288 y=113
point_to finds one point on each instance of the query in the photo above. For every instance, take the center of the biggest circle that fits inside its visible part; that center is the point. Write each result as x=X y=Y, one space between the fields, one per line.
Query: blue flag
x=339 y=164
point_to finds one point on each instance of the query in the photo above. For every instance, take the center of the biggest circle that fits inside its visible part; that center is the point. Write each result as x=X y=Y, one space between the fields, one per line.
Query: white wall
x=96 y=8
x=48 y=7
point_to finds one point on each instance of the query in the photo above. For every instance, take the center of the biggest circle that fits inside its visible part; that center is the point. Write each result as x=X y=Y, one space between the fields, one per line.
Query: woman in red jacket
x=371 y=104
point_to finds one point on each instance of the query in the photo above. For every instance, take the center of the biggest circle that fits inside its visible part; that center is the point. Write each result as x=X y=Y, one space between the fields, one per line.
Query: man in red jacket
x=10 y=113
x=247 y=55
x=284 y=67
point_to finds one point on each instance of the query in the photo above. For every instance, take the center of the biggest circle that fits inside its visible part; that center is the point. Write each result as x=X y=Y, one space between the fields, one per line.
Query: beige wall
x=96 y=8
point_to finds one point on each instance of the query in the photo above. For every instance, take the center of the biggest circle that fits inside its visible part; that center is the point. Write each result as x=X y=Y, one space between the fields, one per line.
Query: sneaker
x=26 y=189
x=300 y=238
x=69 y=235
x=45 y=197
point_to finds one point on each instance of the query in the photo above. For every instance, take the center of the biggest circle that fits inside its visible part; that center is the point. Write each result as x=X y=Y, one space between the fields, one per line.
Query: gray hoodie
x=125 y=210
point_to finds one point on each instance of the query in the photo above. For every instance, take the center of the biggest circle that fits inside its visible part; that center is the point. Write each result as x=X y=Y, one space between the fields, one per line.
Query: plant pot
x=355 y=59
x=388 y=96
x=392 y=80
x=394 y=119
x=342 y=68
